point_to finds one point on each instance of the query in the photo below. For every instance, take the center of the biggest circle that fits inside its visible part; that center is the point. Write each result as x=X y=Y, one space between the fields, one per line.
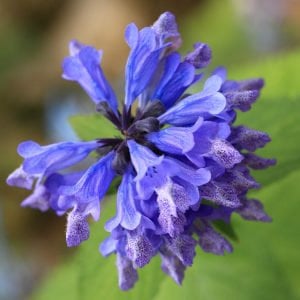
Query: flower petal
x=200 y=57
x=174 y=140
x=224 y=153
x=108 y=246
x=127 y=273
x=172 y=266
x=139 y=248
x=127 y=214
x=188 y=110
x=246 y=138
x=83 y=66
x=253 y=210
x=39 y=199
x=94 y=183
x=166 y=29
x=168 y=92
x=177 y=168
x=42 y=159
x=142 y=158
x=183 y=246
x=131 y=35
x=222 y=194
x=204 y=134
x=213 y=242
x=20 y=179
x=142 y=61
x=77 y=229
x=256 y=162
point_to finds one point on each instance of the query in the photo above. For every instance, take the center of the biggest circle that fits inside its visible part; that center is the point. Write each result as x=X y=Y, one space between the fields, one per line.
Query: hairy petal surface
x=253 y=210
x=77 y=229
x=127 y=273
x=212 y=242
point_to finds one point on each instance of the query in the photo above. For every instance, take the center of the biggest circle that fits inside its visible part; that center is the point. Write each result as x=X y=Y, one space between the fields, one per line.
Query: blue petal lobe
x=39 y=160
x=127 y=215
x=83 y=66
x=142 y=158
x=94 y=183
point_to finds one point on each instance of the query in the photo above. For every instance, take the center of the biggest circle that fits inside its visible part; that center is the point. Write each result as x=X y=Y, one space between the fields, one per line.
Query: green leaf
x=265 y=263
x=62 y=284
x=94 y=126
x=226 y=229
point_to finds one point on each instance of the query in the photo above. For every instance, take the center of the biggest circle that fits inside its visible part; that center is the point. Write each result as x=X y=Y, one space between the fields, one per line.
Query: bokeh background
x=36 y=104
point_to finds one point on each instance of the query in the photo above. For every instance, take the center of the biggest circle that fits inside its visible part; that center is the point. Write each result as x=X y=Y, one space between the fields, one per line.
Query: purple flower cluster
x=183 y=164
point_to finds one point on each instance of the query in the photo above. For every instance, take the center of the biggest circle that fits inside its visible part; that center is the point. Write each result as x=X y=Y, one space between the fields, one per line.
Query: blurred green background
x=252 y=38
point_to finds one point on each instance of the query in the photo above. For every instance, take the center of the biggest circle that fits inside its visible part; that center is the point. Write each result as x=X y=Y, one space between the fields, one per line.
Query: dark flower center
x=131 y=127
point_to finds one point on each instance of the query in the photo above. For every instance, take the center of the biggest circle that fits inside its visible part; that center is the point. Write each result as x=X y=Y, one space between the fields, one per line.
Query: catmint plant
x=182 y=162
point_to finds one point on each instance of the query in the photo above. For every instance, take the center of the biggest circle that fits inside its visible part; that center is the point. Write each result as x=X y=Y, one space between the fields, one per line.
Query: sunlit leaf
x=94 y=126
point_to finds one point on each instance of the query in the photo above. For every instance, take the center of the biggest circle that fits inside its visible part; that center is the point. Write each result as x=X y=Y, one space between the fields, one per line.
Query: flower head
x=182 y=161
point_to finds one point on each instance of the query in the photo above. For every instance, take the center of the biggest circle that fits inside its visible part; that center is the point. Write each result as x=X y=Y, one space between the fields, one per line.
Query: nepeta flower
x=182 y=161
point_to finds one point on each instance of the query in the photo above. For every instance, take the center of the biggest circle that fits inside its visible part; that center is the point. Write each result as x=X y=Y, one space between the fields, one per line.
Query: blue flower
x=183 y=163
